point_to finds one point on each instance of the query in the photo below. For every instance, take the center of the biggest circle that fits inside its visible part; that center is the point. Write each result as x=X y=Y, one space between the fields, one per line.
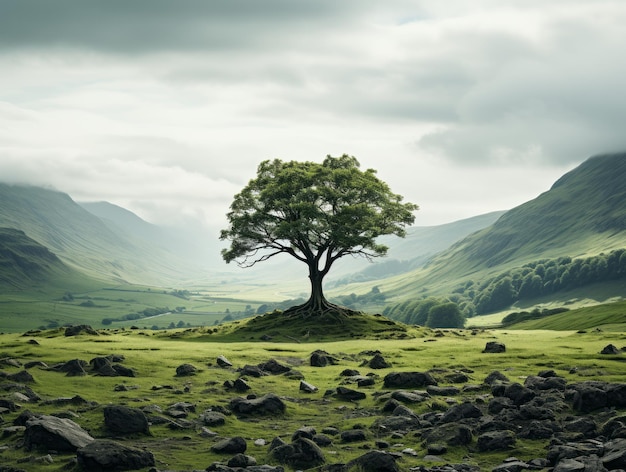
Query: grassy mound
x=281 y=326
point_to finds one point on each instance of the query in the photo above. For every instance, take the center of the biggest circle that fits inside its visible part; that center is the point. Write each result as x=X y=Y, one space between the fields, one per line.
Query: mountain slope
x=82 y=240
x=25 y=263
x=583 y=214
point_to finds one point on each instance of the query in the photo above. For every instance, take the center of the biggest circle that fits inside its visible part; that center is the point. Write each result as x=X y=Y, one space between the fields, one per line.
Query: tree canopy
x=316 y=213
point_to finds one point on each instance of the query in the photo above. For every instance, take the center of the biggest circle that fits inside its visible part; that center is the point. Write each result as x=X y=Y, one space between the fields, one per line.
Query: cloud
x=169 y=106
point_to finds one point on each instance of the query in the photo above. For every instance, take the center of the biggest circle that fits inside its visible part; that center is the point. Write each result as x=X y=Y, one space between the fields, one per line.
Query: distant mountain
x=583 y=214
x=24 y=262
x=411 y=252
x=87 y=243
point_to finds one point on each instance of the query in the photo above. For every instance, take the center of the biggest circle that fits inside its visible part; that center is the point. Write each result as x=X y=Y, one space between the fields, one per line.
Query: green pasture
x=154 y=355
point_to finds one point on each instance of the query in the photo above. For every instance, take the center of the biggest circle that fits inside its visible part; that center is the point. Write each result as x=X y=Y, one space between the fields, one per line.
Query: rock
x=378 y=362
x=268 y=404
x=496 y=377
x=236 y=445
x=80 y=329
x=274 y=367
x=375 y=461
x=240 y=385
x=496 y=441
x=436 y=391
x=409 y=397
x=615 y=456
x=588 y=398
x=349 y=394
x=322 y=440
x=494 y=347
x=105 y=455
x=73 y=368
x=321 y=359
x=212 y=418
x=610 y=350
x=300 y=454
x=241 y=460
x=124 y=420
x=251 y=371
x=452 y=434
x=388 y=424
x=56 y=434
x=511 y=466
x=459 y=412
x=23 y=376
x=184 y=370
x=353 y=435
x=223 y=362
x=307 y=387
x=366 y=382
x=304 y=432
x=518 y=393
x=349 y=373
x=408 y=380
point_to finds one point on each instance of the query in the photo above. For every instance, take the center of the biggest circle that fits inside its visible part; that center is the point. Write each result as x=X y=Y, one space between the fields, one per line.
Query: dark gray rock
x=321 y=358
x=223 y=362
x=375 y=461
x=185 y=370
x=452 y=434
x=212 y=418
x=124 y=420
x=240 y=385
x=610 y=350
x=494 y=347
x=300 y=454
x=588 y=398
x=461 y=411
x=408 y=380
x=496 y=377
x=274 y=367
x=304 y=432
x=268 y=404
x=378 y=362
x=409 y=397
x=395 y=423
x=236 y=445
x=615 y=455
x=73 y=368
x=349 y=394
x=496 y=441
x=307 y=387
x=105 y=455
x=518 y=393
x=437 y=391
x=353 y=435
x=241 y=460
x=23 y=376
x=80 y=329
x=53 y=433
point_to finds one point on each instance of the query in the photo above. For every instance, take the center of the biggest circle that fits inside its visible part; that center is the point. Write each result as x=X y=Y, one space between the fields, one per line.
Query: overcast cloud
x=167 y=107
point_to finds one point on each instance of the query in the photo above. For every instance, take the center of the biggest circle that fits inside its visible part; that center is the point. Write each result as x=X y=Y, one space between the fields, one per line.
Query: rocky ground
x=582 y=425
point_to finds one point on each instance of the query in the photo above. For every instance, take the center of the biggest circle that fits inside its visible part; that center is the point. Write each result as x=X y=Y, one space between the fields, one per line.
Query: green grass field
x=155 y=355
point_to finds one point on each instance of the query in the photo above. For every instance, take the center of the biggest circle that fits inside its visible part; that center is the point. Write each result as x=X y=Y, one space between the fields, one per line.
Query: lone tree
x=317 y=213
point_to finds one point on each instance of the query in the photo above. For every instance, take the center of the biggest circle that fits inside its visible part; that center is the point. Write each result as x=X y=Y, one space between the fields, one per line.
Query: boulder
x=494 y=347
x=236 y=445
x=462 y=411
x=408 y=380
x=223 y=362
x=375 y=461
x=353 y=435
x=307 y=387
x=212 y=418
x=349 y=394
x=53 y=433
x=23 y=376
x=518 y=393
x=73 y=368
x=378 y=362
x=184 y=370
x=274 y=367
x=124 y=420
x=268 y=404
x=106 y=455
x=300 y=454
x=496 y=441
x=241 y=460
x=610 y=350
x=321 y=358
x=80 y=329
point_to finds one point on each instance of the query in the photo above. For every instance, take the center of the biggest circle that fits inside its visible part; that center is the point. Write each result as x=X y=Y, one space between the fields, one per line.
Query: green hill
x=85 y=242
x=581 y=216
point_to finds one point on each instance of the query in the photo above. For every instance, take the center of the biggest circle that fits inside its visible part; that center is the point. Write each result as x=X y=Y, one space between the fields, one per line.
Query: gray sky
x=167 y=107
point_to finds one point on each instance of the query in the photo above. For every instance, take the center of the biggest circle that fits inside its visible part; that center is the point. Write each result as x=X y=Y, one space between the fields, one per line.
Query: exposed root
x=326 y=310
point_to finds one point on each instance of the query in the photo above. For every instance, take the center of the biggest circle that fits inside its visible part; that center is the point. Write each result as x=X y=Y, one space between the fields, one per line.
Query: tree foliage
x=316 y=213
